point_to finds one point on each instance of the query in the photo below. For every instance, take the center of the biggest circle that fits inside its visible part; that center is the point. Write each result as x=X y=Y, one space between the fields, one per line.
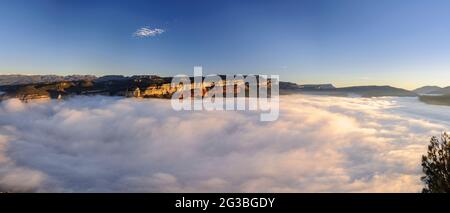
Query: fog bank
x=319 y=144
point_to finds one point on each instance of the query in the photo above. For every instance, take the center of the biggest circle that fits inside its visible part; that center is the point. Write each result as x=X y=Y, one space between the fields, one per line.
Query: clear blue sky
x=403 y=43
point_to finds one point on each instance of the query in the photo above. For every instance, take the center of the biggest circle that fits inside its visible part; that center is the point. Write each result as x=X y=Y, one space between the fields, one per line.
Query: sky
x=403 y=43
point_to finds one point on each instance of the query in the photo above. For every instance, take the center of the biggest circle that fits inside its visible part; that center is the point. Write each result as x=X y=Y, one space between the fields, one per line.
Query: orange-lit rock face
x=33 y=97
x=202 y=89
x=162 y=90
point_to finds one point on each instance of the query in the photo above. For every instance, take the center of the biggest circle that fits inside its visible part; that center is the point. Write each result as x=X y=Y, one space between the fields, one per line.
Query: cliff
x=143 y=86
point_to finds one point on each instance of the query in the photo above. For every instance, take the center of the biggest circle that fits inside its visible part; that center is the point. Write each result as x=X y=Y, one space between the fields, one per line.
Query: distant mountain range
x=329 y=89
x=33 y=79
x=50 y=86
x=432 y=90
x=434 y=95
x=138 y=86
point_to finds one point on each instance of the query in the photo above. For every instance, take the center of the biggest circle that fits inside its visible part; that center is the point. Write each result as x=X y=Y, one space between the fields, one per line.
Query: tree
x=436 y=165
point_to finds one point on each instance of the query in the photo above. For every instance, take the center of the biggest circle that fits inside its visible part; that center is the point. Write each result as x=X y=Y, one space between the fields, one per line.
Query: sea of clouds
x=319 y=144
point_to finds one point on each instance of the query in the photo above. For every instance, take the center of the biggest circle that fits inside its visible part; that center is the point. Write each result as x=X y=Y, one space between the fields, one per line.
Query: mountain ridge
x=19 y=79
x=49 y=85
x=433 y=90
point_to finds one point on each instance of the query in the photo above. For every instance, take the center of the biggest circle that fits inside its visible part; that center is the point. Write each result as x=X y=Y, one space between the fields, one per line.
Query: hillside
x=436 y=100
x=328 y=89
x=434 y=90
x=427 y=89
x=377 y=91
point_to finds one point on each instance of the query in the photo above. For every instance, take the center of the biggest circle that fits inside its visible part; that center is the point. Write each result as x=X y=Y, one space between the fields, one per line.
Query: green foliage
x=436 y=165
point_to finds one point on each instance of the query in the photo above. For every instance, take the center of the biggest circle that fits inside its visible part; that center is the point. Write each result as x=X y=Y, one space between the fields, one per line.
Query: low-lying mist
x=318 y=144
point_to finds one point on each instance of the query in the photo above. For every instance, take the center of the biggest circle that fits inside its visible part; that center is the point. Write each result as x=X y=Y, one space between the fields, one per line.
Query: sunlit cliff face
x=318 y=144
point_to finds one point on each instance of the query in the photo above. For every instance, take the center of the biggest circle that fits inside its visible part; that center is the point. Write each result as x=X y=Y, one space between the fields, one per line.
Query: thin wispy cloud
x=145 y=32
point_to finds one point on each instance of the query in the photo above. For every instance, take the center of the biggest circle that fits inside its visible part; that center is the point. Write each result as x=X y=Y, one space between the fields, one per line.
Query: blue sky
x=404 y=43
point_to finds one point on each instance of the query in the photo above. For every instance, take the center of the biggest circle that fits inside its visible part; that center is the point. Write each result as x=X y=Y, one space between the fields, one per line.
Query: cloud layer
x=148 y=32
x=319 y=144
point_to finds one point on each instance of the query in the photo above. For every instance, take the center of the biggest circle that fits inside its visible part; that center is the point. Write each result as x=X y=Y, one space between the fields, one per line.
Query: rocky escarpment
x=144 y=86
